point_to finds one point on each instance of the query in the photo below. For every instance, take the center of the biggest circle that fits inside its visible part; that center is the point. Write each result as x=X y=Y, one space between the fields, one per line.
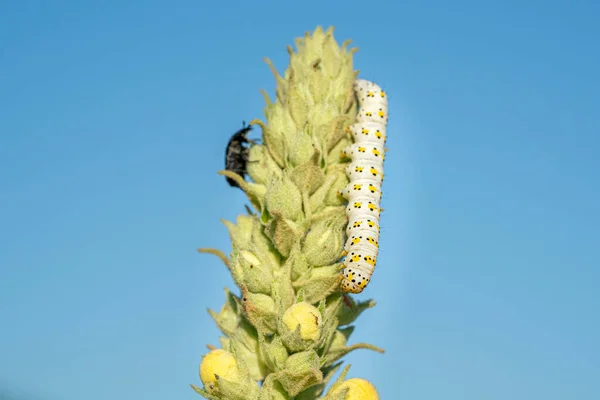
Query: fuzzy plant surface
x=288 y=327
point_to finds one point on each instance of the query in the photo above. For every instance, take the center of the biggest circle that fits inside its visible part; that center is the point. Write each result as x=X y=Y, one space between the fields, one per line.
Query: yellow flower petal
x=360 y=389
x=307 y=316
x=218 y=363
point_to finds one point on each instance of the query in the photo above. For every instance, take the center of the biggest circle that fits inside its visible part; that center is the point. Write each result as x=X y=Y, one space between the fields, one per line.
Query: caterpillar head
x=354 y=281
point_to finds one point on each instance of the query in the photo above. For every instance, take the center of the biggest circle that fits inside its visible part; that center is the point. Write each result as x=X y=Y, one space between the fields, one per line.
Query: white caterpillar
x=364 y=190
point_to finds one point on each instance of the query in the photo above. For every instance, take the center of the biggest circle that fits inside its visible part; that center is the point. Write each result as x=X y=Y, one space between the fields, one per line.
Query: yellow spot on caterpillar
x=370 y=260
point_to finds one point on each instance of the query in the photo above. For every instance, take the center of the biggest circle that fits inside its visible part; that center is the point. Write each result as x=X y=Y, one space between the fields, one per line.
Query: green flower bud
x=241 y=232
x=262 y=168
x=256 y=193
x=248 y=390
x=256 y=276
x=317 y=199
x=295 y=266
x=260 y=311
x=333 y=197
x=303 y=148
x=331 y=51
x=236 y=268
x=324 y=117
x=299 y=101
x=334 y=156
x=340 y=339
x=302 y=370
x=299 y=264
x=325 y=241
x=246 y=236
x=272 y=390
x=285 y=234
x=229 y=318
x=274 y=353
x=319 y=84
x=263 y=247
x=243 y=335
x=283 y=199
x=337 y=130
x=280 y=130
x=309 y=177
x=321 y=133
x=320 y=283
x=245 y=342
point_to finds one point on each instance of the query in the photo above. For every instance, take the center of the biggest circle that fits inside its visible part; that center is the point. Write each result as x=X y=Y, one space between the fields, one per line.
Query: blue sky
x=113 y=122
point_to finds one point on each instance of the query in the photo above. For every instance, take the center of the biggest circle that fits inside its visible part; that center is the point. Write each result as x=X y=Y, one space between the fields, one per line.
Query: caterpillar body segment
x=365 y=151
x=363 y=237
x=373 y=114
x=369 y=92
x=361 y=169
x=368 y=132
x=367 y=206
x=362 y=187
x=363 y=193
x=359 y=222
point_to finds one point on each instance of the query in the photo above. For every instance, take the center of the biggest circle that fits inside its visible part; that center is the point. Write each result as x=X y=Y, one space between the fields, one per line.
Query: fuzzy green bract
x=287 y=252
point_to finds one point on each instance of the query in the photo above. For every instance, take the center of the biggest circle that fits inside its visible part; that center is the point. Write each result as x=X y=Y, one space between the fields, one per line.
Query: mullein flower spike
x=287 y=329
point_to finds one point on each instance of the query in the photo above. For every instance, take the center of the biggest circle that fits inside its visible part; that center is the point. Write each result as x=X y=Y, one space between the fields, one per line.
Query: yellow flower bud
x=219 y=363
x=358 y=389
x=307 y=316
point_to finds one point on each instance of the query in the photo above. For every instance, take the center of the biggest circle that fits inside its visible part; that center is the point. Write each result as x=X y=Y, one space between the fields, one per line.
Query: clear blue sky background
x=113 y=122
